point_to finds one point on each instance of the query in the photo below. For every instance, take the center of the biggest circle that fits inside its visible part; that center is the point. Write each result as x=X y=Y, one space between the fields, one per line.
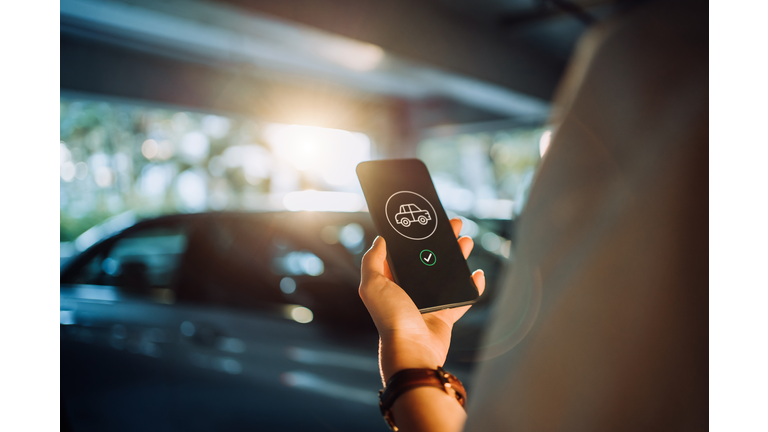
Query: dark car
x=227 y=321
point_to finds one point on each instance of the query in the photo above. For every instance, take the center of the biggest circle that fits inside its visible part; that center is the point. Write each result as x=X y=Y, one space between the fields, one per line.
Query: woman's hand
x=408 y=339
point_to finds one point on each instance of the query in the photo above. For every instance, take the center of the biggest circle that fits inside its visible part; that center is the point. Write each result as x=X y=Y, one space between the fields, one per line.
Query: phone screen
x=422 y=251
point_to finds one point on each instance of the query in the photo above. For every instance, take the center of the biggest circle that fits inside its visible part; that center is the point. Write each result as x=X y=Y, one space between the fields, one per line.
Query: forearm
x=412 y=340
x=397 y=353
x=424 y=408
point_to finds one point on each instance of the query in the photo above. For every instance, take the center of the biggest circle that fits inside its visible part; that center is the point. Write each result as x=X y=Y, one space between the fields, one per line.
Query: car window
x=229 y=264
x=143 y=262
x=270 y=261
x=90 y=273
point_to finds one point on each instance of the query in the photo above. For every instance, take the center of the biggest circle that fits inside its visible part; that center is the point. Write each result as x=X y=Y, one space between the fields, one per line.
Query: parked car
x=227 y=321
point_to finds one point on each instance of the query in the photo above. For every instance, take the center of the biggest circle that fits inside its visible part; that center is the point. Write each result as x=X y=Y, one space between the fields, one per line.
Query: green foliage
x=71 y=227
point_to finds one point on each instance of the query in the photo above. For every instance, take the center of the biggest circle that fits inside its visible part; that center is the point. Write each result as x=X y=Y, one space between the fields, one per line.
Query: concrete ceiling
x=523 y=45
x=451 y=60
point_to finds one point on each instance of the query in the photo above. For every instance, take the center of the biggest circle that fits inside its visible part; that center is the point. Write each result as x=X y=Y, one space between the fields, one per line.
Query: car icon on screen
x=410 y=213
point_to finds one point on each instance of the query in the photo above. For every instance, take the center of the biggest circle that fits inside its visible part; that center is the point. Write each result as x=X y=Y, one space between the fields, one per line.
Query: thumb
x=375 y=259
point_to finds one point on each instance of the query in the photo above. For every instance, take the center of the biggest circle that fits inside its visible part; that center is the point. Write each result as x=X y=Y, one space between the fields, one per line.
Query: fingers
x=450 y=316
x=466 y=244
x=375 y=259
x=479 y=277
x=456 y=225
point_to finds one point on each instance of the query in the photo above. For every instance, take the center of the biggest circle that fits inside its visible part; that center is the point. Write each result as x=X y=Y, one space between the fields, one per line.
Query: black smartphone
x=422 y=251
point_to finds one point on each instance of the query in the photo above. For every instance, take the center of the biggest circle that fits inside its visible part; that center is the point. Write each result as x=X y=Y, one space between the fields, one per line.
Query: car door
x=117 y=331
x=260 y=350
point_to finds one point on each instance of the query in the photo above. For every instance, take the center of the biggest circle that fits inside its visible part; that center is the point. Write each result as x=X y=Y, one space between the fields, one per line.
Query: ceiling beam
x=422 y=31
x=228 y=35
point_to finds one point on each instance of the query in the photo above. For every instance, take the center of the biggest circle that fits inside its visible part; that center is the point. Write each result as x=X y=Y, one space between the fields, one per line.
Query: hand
x=408 y=339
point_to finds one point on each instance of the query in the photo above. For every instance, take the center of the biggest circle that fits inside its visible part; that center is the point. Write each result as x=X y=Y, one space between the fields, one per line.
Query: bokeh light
x=104 y=176
x=287 y=285
x=191 y=189
x=149 y=149
x=301 y=314
x=81 y=170
x=332 y=154
x=546 y=137
x=484 y=175
x=355 y=55
x=154 y=161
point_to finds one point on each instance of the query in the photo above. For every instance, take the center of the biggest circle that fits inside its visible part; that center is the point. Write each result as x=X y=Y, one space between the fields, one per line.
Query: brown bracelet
x=408 y=379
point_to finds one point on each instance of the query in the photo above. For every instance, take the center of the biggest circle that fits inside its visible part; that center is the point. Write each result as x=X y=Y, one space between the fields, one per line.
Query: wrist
x=397 y=353
x=411 y=393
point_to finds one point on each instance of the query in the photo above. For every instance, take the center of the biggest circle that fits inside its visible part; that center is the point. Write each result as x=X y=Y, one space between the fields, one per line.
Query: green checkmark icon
x=428 y=257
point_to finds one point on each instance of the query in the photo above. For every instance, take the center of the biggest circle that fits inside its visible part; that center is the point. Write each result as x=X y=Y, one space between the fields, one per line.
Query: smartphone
x=422 y=251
